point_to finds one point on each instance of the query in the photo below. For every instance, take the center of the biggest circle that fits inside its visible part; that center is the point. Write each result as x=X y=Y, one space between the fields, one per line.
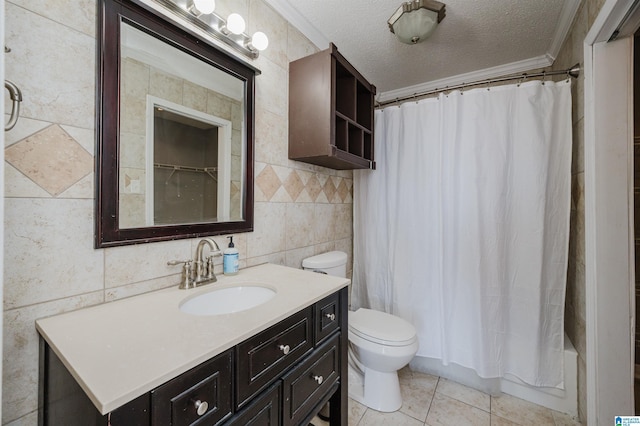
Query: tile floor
x=430 y=401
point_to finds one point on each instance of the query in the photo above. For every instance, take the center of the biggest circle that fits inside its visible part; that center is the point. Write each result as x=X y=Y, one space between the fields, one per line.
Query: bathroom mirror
x=174 y=156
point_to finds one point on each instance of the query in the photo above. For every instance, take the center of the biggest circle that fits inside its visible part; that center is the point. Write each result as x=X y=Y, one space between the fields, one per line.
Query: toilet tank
x=332 y=263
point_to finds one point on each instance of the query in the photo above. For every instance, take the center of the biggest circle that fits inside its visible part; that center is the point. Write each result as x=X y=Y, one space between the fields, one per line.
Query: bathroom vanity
x=143 y=361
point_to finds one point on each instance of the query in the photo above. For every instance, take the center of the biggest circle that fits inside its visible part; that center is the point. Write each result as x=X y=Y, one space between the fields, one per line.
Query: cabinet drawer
x=176 y=402
x=327 y=317
x=262 y=411
x=303 y=387
x=266 y=355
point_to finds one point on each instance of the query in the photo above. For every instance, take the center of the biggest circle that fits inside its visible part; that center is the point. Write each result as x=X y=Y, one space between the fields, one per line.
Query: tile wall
x=141 y=80
x=575 y=308
x=50 y=263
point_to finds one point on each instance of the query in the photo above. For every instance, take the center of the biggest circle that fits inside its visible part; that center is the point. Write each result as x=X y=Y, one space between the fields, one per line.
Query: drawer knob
x=201 y=407
x=330 y=316
x=318 y=379
x=284 y=349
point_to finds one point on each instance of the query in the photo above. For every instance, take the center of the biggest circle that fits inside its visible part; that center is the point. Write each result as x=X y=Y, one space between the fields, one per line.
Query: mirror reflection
x=181 y=136
x=174 y=155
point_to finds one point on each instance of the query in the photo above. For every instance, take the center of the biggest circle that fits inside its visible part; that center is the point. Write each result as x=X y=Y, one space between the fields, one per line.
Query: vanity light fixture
x=259 y=40
x=414 y=21
x=202 y=7
x=230 y=31
x=236 y=24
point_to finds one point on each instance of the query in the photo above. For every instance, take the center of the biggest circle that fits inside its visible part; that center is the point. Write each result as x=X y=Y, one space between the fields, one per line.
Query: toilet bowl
x=379 y=345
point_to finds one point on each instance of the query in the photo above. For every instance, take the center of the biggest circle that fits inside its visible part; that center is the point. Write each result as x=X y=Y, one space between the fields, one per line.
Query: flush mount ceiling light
x=229 y=31
x=414 y=21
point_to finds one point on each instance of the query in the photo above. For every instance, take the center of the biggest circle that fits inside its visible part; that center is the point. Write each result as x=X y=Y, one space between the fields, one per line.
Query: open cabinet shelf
x=331 y=109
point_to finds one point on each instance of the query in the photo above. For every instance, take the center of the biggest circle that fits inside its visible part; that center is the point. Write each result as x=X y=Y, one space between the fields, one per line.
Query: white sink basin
x=227 y=300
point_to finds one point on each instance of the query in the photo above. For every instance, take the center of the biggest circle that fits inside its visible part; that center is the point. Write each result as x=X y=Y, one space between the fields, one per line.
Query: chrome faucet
x=202 y=272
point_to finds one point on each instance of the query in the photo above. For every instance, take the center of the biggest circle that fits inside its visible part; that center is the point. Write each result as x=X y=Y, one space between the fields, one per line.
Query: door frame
x=608 y=195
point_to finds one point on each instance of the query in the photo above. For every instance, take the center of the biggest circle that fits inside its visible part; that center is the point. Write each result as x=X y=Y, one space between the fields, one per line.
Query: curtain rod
x=574 y=72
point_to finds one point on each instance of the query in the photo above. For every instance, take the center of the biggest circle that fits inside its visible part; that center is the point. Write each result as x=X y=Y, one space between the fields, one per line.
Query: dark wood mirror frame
x=107 y=231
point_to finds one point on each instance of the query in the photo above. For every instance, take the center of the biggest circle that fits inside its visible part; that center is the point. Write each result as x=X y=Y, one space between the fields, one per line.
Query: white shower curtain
x=463 y=229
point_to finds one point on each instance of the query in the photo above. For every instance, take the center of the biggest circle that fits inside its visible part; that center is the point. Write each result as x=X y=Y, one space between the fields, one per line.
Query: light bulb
x=204 y=7
x=260 y=40
x=235 y=23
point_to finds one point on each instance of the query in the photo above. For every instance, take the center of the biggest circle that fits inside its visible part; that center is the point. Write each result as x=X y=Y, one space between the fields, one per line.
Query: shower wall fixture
x=16 y=97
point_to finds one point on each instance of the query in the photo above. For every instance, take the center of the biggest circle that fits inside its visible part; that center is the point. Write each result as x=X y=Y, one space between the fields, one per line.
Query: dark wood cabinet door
x=327 y=317
x=262 y=411
x=181 y=401
x=264 y=357
x=310 y=381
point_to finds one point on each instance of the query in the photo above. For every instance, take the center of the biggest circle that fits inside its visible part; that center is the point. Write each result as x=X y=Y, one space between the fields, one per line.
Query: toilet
x=379 y=345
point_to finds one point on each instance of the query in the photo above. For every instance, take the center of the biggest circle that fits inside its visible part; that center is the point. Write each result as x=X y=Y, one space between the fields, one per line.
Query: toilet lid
x=381 y=327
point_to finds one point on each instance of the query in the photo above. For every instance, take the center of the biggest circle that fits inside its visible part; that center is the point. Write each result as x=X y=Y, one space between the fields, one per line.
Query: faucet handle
x=186 y=281
x=210 y=274
x=178 y=262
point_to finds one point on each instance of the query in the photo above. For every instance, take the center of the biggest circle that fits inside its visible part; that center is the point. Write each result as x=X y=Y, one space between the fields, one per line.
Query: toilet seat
x=381 y=328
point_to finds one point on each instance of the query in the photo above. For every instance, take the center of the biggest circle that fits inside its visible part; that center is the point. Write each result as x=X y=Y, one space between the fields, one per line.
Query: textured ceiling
x=475 y=35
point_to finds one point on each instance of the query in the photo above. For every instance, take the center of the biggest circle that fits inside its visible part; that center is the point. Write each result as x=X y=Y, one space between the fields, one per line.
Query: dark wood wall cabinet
x=281 y=376
x=331 y=109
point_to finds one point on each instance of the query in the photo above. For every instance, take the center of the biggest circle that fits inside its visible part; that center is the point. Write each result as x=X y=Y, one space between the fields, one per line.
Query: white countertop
x=120 y=350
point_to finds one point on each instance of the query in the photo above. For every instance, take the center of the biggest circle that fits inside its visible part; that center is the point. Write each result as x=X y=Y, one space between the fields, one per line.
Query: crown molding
x=538 y=62
x=291 y=14
x=567 y=15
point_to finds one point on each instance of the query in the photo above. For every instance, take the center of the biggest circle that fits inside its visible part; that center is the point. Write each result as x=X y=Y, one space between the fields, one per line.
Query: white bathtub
x=563 y=400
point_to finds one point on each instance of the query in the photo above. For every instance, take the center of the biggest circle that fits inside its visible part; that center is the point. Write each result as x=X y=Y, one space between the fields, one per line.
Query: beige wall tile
x=49 y=251
x=263 y=18
x=294 y=257
x=24 y=128
x=133 y=264
x=299 y=46
x=300 y=224
x=272 y=89
x=122 y=291
x=16 y=184
x=165 y=86
x=194 y=96
x=51 y=158
x=343 y=221
x=78 y=14
x=81 y=189
x=218 y=105
x=21 y=349
x=54 y=238
x=272 y=143
x=275 y=258
x=133 y=150
x=135 y=78
x=85 y=137
x=226 y=7
x=59 y=91
x=325 y=226
x=269 y=230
